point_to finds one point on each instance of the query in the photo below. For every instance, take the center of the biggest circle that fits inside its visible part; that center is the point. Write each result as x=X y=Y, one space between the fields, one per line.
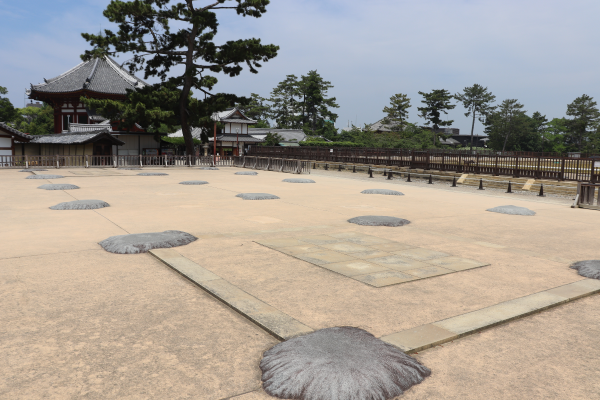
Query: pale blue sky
x=543 y=53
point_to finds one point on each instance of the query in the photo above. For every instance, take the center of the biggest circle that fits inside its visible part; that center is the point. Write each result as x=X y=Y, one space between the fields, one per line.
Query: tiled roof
x=100 y=75
x=13 y=131
x=226 y=116
x=288 y=135
x=228 y=137
x=76 y=137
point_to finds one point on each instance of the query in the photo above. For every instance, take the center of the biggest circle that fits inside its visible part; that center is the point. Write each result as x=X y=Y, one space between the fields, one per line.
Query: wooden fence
x=530 y=166
x=272 y=164
x=109 y=161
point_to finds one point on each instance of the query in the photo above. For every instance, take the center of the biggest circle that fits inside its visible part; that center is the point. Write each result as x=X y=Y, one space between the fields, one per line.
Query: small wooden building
x=10 y=139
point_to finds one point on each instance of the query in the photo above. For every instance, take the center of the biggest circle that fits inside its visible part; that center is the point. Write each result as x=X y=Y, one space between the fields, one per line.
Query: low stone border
x=278 y=324
x=429 y=335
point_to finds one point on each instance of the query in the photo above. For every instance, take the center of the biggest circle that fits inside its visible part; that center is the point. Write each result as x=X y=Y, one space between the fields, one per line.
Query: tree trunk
x=472 y=129
x=187 y=86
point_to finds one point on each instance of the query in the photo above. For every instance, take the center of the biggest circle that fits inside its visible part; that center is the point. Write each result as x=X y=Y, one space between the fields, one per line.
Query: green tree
x=257 y=109
x=508 y=119
x=436 y=102
x=585 y=120
x=314 y=102
x=272 y=139
x=477 y=101
x=285 y=108
x=397 y=111
x=145 y=31
x=539 y=124
x=555 y=135
x=34 y=120
x=7 y=110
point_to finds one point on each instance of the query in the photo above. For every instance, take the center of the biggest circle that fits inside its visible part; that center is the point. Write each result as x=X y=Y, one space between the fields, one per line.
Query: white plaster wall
x=5 y=142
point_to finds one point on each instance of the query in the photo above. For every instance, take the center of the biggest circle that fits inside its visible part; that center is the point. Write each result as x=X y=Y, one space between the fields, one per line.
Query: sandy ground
x=83 y=323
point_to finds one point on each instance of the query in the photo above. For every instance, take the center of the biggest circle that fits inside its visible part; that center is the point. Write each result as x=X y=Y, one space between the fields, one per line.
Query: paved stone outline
x=277 y=323
x=370 y=259
x=425 y=336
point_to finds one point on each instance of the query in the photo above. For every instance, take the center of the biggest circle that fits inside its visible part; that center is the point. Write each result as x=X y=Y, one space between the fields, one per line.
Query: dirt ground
x=81 y=323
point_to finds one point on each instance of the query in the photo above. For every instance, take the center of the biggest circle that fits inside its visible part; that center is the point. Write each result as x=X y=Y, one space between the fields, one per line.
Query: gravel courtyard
x=81 y=323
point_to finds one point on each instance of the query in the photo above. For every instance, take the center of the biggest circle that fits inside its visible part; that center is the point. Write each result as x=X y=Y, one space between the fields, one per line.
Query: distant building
x=233 y=139
x=290 y=137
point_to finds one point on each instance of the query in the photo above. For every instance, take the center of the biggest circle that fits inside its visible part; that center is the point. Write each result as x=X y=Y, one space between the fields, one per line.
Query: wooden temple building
x=79 y=130
x=232 y=138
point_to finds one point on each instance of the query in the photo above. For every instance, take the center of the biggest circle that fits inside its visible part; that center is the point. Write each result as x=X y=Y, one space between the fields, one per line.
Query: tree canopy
x=477 y=101
x=145 y=30
x=436 y=102
x=397 y=111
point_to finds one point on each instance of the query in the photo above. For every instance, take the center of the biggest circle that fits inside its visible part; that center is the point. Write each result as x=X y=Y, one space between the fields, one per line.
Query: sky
x=542 y=52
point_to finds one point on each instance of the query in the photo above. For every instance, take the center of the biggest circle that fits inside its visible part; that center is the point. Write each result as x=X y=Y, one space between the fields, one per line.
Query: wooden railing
x=272 y=164
x=26 y=162
x=537 y=167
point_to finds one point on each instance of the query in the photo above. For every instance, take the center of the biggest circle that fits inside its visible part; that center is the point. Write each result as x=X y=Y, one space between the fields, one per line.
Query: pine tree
x=397 y=111
x=145 y=30
x=436 y=103
x=477 y=100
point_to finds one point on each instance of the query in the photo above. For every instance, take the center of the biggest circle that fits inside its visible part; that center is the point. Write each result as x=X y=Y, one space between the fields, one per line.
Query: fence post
x=496 y=172
x=26 y=161
x=538 y=172
x=443 y=161
x=592 y=180
x=459 y=168
x=140 y=160
x=516 y=170
x=562 y=170
x=87 y=164
x=114 y=161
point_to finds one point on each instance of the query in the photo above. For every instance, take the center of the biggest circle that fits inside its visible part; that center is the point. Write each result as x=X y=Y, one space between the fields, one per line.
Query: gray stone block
x=342 y=363
x=298 y=180
x=382 y=191
x=511 y=210
x=144 y=242
x=45 y=177
x=588 y=268
x=257 y=196
x=58 y=186
x=193 y=183
x=246 y=173
x=374 y=220
x=80 y=205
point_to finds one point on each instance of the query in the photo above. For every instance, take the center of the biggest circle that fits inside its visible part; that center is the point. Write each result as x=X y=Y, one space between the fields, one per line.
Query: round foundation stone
x=143 y=242
x=58 y=186
x=383 y=191
x=257 y=196
x=298 y=180
x=152 y=174
x=246 y=173
x=45 y=177
x=588 y=268
x=342 y=363
x=374 y=220
x=193 y=183
x=512 y=210
x=81 y=205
